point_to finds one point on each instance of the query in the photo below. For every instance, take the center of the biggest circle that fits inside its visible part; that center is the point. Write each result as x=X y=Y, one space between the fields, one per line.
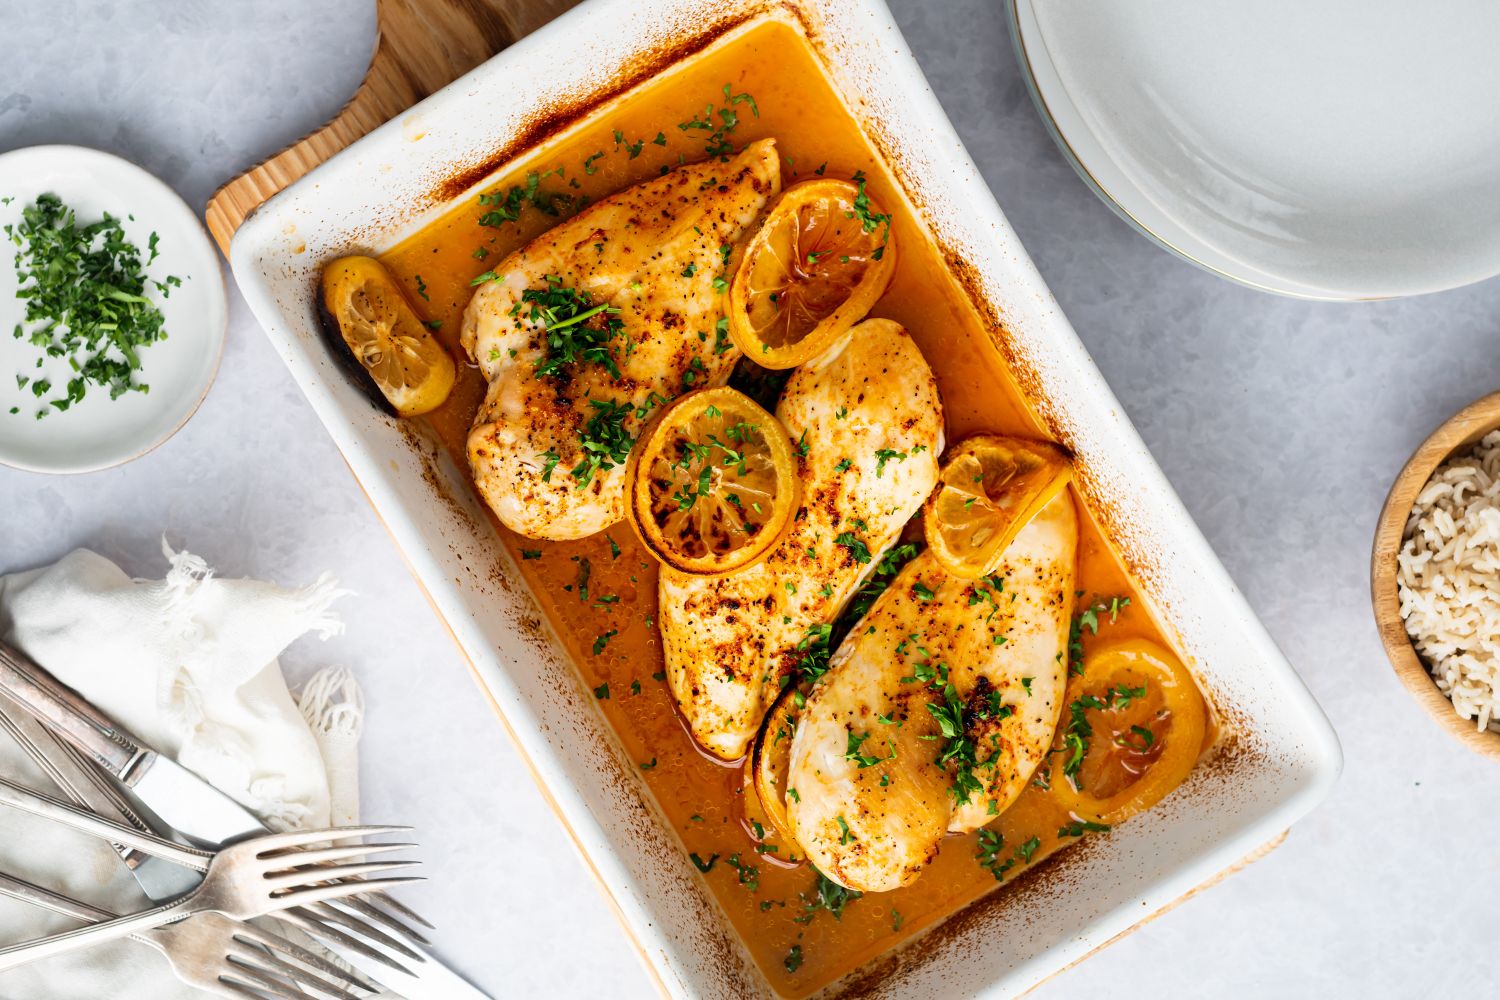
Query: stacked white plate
x=1331 y=149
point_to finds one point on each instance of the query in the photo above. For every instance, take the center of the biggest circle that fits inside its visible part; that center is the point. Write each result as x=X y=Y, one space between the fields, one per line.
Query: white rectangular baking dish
x=1280 y=760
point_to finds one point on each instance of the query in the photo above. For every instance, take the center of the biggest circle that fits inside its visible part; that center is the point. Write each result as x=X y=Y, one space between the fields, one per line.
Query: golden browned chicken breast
x=583 y=332
x=936 y=709
x=870 y=423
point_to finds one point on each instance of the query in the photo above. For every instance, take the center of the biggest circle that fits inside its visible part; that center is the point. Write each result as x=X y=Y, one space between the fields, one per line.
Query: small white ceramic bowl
x=99 y=432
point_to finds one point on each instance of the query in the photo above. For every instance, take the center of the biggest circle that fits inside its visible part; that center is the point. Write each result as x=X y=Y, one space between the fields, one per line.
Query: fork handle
x=45 y=806
x=28 y=892
x=26 y=952
x=66 y=712
x=81 y=782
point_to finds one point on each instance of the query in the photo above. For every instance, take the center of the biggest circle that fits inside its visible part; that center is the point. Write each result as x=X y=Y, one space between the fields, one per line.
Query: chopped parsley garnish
x=885 y=455
x=604 y=440
x=564 y=314
x=845 y=836
x=633 y=148
x=1088 y=618
x=856 y=546
x=793 y=960
x=722 y=342
x=825 y=894
x=507 y=207
x=868 y=219
x=85 y=289
x=728 y=120
x=549 y=459
x=864 y=760
x=1079 y=827
x=815 y=647
x=992 y=844
x=1078 y=731
x=585 y=570
x=749 y=875
x=703 y=866
x=958 y=747
x=602 y=691
x=531 y=553
x=599 y=643
x=648 y=765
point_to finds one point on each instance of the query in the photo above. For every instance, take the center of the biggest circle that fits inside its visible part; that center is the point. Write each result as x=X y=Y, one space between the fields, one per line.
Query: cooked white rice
x=1449 y=580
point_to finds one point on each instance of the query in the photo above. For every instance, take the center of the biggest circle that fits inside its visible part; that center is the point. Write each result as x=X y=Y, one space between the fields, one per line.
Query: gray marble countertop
x=1281 y=423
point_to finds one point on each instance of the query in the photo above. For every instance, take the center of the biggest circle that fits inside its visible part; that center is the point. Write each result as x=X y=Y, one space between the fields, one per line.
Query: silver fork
x=216 y=954
x=244 y=880
x=325 y=921
x=90 y=792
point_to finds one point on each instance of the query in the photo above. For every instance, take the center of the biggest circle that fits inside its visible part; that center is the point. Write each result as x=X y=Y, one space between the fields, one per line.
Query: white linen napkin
x=189 y=665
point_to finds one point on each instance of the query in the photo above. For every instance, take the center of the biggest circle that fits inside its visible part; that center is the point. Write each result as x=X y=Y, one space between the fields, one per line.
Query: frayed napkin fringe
x=332 y=703
x=310 y=604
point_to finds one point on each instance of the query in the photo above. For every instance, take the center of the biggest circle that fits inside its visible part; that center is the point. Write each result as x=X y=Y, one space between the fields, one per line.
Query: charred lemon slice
x=408 y=365
x=771 y=762
x=989 y=489
x=815 y=267
x=711 y=481
x=1132 y=729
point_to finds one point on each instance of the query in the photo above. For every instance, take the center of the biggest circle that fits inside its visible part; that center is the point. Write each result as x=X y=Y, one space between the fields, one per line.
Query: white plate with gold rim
x=1346 y=149
x=98 y=432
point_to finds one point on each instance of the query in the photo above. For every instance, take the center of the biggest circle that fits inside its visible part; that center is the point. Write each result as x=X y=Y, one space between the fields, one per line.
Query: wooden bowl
x=1459 y=432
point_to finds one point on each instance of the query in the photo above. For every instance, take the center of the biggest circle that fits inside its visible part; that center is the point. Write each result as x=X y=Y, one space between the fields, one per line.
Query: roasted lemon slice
x=408 y=365
x=1132 y=729
x=989 y=488
x=814 y=268
x=712 y=484
x=771 y=761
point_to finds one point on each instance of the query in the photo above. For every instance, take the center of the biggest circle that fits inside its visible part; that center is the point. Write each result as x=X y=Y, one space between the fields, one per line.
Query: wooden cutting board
x=420 y=46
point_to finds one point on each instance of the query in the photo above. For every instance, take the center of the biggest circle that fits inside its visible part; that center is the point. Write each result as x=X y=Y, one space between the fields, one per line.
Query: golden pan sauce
x=701 y=797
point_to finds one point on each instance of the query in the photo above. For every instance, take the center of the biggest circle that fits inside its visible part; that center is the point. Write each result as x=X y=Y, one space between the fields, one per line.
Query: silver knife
x=81 y=782
x=187 y=804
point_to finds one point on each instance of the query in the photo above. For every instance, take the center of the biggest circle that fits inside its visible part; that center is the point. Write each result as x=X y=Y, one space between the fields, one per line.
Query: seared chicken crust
x=873 y=802
x=869 y=419
x=653 y=252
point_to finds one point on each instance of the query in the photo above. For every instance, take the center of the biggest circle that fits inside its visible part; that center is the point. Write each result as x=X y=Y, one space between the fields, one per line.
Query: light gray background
x=1280 y=423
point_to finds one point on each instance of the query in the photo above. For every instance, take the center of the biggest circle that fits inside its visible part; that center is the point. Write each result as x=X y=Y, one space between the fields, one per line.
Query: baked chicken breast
x=547 y=444
x=870 y=426
x=971 y=671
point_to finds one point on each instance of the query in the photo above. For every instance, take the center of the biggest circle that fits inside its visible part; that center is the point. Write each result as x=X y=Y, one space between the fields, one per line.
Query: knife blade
x=191 y=807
